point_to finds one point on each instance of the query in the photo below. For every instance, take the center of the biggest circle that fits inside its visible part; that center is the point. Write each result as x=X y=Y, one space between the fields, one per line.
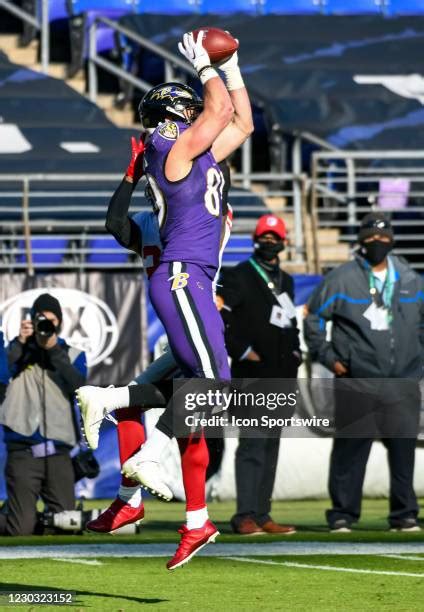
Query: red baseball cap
x=270 y=223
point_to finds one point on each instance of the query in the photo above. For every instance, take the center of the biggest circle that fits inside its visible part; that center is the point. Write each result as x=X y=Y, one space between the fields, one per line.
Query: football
x=219 y=44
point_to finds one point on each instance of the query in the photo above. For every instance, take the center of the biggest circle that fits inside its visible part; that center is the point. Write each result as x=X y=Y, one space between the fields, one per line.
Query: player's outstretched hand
x=228 y=64
x=230 y=68
x=194 y=51
x=135 y=167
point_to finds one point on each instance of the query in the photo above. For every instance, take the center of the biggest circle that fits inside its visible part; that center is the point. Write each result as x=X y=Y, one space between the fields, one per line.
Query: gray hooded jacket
x=35 y=387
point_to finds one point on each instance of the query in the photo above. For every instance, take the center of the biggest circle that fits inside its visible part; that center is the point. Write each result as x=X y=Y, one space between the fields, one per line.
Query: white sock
x=117 y=397
x=197 y=518
x=130 y=495
x=154 y=446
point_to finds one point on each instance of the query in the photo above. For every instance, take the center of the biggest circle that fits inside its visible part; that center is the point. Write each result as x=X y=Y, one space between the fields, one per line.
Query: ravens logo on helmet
x=169 y=101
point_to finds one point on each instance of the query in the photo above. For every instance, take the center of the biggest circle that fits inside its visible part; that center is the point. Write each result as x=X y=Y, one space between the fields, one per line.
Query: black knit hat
x=375 y=223
x=44 y=302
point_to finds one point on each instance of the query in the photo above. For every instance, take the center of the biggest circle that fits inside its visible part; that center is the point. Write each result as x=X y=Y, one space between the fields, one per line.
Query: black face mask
x=376 y=251
x=268 y=250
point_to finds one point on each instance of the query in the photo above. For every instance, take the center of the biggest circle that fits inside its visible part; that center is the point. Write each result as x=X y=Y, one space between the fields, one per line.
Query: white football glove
x=231 y=70
x=229 y=64
x=194 y=51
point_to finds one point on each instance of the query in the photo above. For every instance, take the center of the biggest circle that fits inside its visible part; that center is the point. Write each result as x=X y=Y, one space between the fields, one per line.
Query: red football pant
x=131 y=435
x=194 y=462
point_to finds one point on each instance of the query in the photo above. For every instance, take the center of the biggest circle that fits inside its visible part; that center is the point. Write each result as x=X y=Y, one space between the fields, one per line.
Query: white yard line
x=328 y=568
x=80 y=561
x=268 y=549
x=404 y=557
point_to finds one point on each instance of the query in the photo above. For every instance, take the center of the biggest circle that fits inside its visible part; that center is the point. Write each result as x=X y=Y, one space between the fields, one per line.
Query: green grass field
x=245 y=580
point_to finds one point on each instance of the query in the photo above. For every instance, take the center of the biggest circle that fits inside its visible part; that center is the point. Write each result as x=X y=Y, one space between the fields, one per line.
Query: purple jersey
x=190 y=209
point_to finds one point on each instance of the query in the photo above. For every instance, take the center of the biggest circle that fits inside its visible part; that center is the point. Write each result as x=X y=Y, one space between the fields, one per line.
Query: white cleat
x=147 y=473
x=91 y=402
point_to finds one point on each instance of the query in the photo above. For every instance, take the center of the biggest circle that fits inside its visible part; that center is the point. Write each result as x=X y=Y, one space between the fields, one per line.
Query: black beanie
x=45 y=301
x=375 y=223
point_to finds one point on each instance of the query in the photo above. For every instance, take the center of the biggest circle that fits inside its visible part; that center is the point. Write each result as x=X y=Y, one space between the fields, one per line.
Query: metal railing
x=175 y=68
x=345 y=185
x=41 y=24
x=73 y=207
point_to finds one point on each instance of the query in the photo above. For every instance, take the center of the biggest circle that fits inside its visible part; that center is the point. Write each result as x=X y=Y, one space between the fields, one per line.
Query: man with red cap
x=263 y=341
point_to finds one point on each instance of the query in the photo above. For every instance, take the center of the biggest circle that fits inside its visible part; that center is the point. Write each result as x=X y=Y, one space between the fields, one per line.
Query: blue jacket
x=342 y=298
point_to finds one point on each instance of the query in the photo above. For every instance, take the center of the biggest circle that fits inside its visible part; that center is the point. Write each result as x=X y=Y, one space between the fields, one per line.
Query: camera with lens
x=74 y=521
x=43 y=326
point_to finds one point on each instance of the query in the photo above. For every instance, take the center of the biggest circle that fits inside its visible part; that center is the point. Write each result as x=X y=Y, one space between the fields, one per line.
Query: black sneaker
x=340 y=526
x=408 y=525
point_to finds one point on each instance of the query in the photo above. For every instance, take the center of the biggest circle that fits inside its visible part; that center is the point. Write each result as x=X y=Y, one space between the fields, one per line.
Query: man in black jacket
x=263 y=341
x=39 y=429
x=376 y=305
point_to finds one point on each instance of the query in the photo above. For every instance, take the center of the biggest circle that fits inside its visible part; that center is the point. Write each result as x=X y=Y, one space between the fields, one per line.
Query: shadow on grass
x=29 y=588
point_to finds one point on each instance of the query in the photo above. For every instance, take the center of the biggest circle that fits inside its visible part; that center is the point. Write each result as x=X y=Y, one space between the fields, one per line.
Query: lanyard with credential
x=264 y=275
x=384 y=298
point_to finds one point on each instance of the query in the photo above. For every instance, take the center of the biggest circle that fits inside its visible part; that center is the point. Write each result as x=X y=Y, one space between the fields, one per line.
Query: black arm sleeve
x=118 y=223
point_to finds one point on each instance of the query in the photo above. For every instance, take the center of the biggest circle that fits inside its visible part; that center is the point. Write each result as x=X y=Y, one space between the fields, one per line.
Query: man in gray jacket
x=39 y=429
x=376 y=306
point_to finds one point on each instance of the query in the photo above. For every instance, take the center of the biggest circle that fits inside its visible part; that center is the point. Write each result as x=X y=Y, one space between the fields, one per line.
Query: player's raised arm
x=118 y=223
x=241 y=125
x=216 y=115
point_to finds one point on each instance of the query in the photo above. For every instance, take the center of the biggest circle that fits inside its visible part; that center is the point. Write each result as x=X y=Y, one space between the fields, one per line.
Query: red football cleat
x=192 y=541
x=117 y=515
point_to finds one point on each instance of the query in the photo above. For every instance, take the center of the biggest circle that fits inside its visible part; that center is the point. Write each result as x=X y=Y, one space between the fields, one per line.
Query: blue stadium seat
x=168 y=7
x=406 y=7
x=290 y=7
x=239 y=248
x=105 y=36
x=52 y=250
x=349 y=7
x=57 y=9
x=117 y=254
x=82 y=6
x=232 y=6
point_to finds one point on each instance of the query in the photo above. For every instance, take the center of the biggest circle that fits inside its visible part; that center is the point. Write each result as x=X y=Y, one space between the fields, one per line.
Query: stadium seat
x=168 y=7
x=82 y=6
x=223 y=6
x=57 y=9
x=82 y=14
x=347 y=7
x=289 y=7
x=239 y=248
x=116 y=255
x=44 y=250
x=406 y=7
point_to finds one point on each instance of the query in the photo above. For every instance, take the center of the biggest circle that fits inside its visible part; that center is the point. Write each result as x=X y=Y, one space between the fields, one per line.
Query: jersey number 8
x=213 y=195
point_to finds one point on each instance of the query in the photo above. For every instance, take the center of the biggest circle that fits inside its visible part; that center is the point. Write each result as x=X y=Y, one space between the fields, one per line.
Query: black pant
x=387 y=410
x=27 y=479
x=256 y=464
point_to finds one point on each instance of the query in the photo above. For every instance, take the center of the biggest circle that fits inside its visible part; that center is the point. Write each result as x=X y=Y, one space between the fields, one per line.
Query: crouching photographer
x=38 y=418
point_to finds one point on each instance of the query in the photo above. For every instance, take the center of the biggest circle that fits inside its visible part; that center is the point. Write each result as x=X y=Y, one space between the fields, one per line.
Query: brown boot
x=272 y=527
x=247 y=526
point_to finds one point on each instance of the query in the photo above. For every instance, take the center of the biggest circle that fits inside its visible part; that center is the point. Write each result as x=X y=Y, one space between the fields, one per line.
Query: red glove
x=135 y=167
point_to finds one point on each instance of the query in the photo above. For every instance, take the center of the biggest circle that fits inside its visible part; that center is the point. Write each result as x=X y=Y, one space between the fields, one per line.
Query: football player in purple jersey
x=189 y=139
x=140 y=234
